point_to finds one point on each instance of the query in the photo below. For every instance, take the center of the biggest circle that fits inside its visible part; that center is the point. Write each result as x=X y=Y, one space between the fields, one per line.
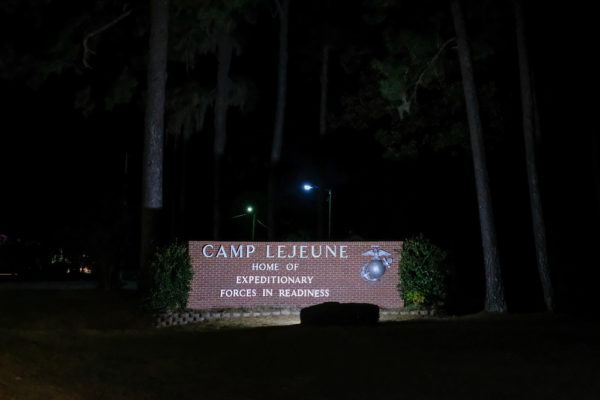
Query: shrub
x=423 y=272
x=414 y=297
x=170 y=276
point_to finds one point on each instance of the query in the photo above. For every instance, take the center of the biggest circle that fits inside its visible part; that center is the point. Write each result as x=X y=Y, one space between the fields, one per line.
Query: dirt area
x=284 y=320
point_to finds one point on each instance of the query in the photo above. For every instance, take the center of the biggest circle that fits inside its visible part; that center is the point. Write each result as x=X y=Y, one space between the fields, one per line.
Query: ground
x=98 y=345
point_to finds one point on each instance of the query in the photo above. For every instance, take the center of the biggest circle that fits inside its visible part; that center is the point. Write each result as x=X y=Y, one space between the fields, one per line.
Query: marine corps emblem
x=374 y=269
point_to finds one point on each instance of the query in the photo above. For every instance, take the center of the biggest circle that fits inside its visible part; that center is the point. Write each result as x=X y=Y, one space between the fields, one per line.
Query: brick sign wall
x=253 y=274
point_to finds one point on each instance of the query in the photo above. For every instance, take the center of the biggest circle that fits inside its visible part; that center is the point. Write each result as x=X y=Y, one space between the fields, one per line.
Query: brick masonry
x=288 y=274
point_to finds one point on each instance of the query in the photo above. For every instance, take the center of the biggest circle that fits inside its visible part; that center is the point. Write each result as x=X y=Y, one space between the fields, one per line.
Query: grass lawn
x=97 y=345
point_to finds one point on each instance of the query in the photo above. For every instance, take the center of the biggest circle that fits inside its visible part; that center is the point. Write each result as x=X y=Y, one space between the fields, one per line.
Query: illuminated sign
x=283 y=274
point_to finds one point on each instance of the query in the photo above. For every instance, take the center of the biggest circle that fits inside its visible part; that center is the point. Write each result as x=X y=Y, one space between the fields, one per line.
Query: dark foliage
x=169 y=278
x=423 y=272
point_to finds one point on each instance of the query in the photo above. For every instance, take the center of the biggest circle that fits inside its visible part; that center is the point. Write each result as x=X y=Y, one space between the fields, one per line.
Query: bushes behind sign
x=170 y=276
x=423 y=272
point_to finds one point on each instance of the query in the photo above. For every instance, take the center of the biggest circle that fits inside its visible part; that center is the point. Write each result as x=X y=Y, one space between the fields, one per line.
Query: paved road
x=52 y=285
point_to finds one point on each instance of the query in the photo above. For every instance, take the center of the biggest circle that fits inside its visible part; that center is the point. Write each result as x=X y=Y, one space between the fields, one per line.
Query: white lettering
x=303 y=251
x=238 y=292
x=208 y=251
x=205 y=252
x=312 y=251
x=273 y=279
x=221 y=252
x=269 y=251
x=265 y=266
x=293 y=252
x=344 y=251
x=303 y=292
x=291 y=267
x=282 y=251
x=329 y=249
x=239 y=252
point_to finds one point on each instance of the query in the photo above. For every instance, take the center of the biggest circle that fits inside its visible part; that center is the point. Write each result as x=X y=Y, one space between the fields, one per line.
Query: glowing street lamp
x=250 y=210
x=308 y=187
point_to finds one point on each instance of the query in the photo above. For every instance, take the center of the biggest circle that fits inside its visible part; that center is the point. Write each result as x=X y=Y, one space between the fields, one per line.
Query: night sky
x=69 y=171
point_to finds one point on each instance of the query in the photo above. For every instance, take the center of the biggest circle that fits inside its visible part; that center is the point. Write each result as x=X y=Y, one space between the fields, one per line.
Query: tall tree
x=187 y=106
x=224 y=53
x=283 y=7
x=596 y=173
x=152 y=169
x=414 y=78
x=527 y=103
x=494 y=294
x=200 y=31
x=324 y=89
x=324 y=82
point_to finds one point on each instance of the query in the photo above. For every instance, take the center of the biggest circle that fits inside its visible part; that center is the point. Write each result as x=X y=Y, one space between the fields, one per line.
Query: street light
x=250 y=210
x=308 y=187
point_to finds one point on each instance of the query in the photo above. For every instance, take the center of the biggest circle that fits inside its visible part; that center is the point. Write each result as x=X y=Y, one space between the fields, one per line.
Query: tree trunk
x=537 y=130
x=271 y=200
x=279 y=114
x=321 y=151
x=494 y=294
x=187 y=131
x=171 y=183
x=152 y=169
x=596 y=174
x=224 y=54
x=324 y=91
x=176 y=175
x=539 y=228
x=217 y=172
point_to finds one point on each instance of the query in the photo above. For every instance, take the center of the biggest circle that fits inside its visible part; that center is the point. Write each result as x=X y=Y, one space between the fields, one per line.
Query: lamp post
x=250 y=210
x=308 y=187
x=329 y=216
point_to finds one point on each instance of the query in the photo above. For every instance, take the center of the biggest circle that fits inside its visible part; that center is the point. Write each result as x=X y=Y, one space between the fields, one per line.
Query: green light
x=250 y=209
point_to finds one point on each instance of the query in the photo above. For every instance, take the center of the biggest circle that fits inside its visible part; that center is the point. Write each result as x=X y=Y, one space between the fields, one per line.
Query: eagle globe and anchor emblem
x=373 y=270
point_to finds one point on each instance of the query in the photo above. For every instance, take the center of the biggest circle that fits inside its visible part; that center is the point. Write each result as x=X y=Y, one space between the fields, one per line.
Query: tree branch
x=419 y=80
x=86 y=49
